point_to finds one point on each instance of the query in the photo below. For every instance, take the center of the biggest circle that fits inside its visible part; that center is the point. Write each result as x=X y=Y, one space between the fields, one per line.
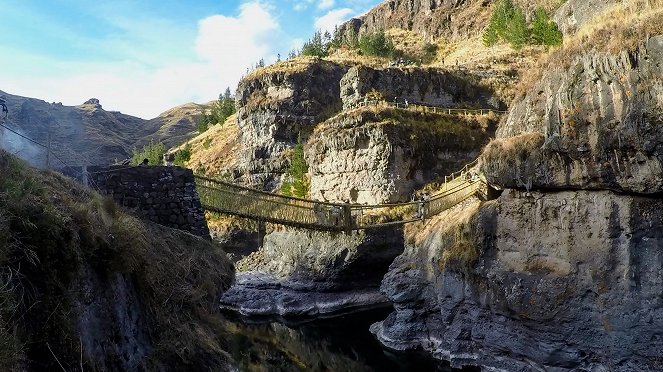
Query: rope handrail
x=226 y=197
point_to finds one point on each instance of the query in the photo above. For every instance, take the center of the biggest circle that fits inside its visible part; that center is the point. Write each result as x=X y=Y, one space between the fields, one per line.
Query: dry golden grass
x=213 y=153
x=59 y=230
x=458 y=249
x=518 y=147
x=623 y=27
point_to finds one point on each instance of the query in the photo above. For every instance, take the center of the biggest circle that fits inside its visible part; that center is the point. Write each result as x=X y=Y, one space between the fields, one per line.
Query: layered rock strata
x=279 y=106
x=596 y=124
x=563 y=281
x=427 y=85
x=381 y=155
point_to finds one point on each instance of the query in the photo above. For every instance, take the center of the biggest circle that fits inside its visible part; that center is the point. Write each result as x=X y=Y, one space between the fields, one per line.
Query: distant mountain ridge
x=88 y=134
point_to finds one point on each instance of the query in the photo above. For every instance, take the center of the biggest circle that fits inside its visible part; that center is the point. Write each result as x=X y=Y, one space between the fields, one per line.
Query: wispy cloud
x=153 y=75
x=333 y=18
x=326 y=4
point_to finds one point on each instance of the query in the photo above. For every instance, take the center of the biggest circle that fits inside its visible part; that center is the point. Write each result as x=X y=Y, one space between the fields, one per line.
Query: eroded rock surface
x=304 y=273
x=563 y=281
x=275 y=107
x=431 y=86
x=381 y=155
x=601 y=124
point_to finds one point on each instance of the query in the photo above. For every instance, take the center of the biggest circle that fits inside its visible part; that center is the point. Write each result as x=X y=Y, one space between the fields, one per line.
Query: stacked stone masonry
x=165 y=195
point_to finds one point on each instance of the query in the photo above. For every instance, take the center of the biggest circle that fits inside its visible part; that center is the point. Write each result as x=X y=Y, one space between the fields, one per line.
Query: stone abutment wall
x=165 y=195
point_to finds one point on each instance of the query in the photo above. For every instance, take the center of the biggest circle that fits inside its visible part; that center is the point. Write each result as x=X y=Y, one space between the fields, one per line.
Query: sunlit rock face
x=563 y=281
x=277 y=107
x=600 y=126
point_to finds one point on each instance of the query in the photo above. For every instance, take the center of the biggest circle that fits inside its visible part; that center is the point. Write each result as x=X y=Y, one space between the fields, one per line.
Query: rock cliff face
x=282 y=102
x=599 y=124
x=434 y=87
x=431 y=18
x=563 y=281
x=381 y=155
x=568 y=279
x=275 y=107
x=299 y=274
x=573 y=14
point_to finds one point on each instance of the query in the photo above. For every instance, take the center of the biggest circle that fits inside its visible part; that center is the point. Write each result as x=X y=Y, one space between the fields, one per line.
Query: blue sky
x=143 y=57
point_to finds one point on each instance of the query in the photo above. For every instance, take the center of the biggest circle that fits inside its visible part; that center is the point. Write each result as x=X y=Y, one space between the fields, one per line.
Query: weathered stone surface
x=274 y=107
x=160 y=194
x=454 y=19
x=428 y=85
x=601 y=121
x=382 y=155
x=573 y=14
x=305 y=273
x=563 y=281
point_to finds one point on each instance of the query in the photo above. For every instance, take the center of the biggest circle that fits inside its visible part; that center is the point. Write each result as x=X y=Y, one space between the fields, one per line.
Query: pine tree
x=517 y=32
x=544 y=30
x=317 y=46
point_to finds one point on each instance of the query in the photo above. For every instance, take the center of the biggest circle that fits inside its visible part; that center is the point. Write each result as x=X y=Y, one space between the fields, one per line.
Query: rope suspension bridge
x=227 y=198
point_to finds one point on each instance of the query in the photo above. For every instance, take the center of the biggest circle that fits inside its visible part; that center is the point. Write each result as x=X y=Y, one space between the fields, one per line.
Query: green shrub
x=376 y=44
x=517 y=33
x=153 y=153
x=296 y=183
x=218 y=113
x=318 y=45
x=207 y=142
x=544 y=30
x=183 y=155
x=202 y=123
x=508 y=23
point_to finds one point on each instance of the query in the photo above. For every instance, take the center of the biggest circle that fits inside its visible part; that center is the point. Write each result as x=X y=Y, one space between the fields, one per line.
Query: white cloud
x=302 y=5
x=223 y=48
x=326 y=4
x=332 y=18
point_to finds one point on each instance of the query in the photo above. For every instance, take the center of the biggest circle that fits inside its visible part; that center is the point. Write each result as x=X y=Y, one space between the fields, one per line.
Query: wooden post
x=85 y=182
x=347 y=218
x=262 y=231
x=48 y=151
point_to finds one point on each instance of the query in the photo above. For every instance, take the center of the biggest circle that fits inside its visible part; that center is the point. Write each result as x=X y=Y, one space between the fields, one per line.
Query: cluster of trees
x=372 y=44
x=508 y=23
x=219 y=112
x=154 y=153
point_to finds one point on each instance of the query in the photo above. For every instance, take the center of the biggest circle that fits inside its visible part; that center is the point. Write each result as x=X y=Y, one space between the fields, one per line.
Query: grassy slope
x=52 y=231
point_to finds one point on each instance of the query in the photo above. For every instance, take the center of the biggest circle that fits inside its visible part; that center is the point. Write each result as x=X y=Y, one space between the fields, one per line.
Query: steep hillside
x=88 y=134
x=563 y=270
x=85 y=285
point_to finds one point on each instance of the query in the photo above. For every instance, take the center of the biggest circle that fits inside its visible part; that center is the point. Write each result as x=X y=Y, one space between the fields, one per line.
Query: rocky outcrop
x=563 y=281
x=600 y=126
x=381 y=155
x=574 y=14
x=276 y=107
x=429 y=86
x=303 y=274
x=454 y=19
